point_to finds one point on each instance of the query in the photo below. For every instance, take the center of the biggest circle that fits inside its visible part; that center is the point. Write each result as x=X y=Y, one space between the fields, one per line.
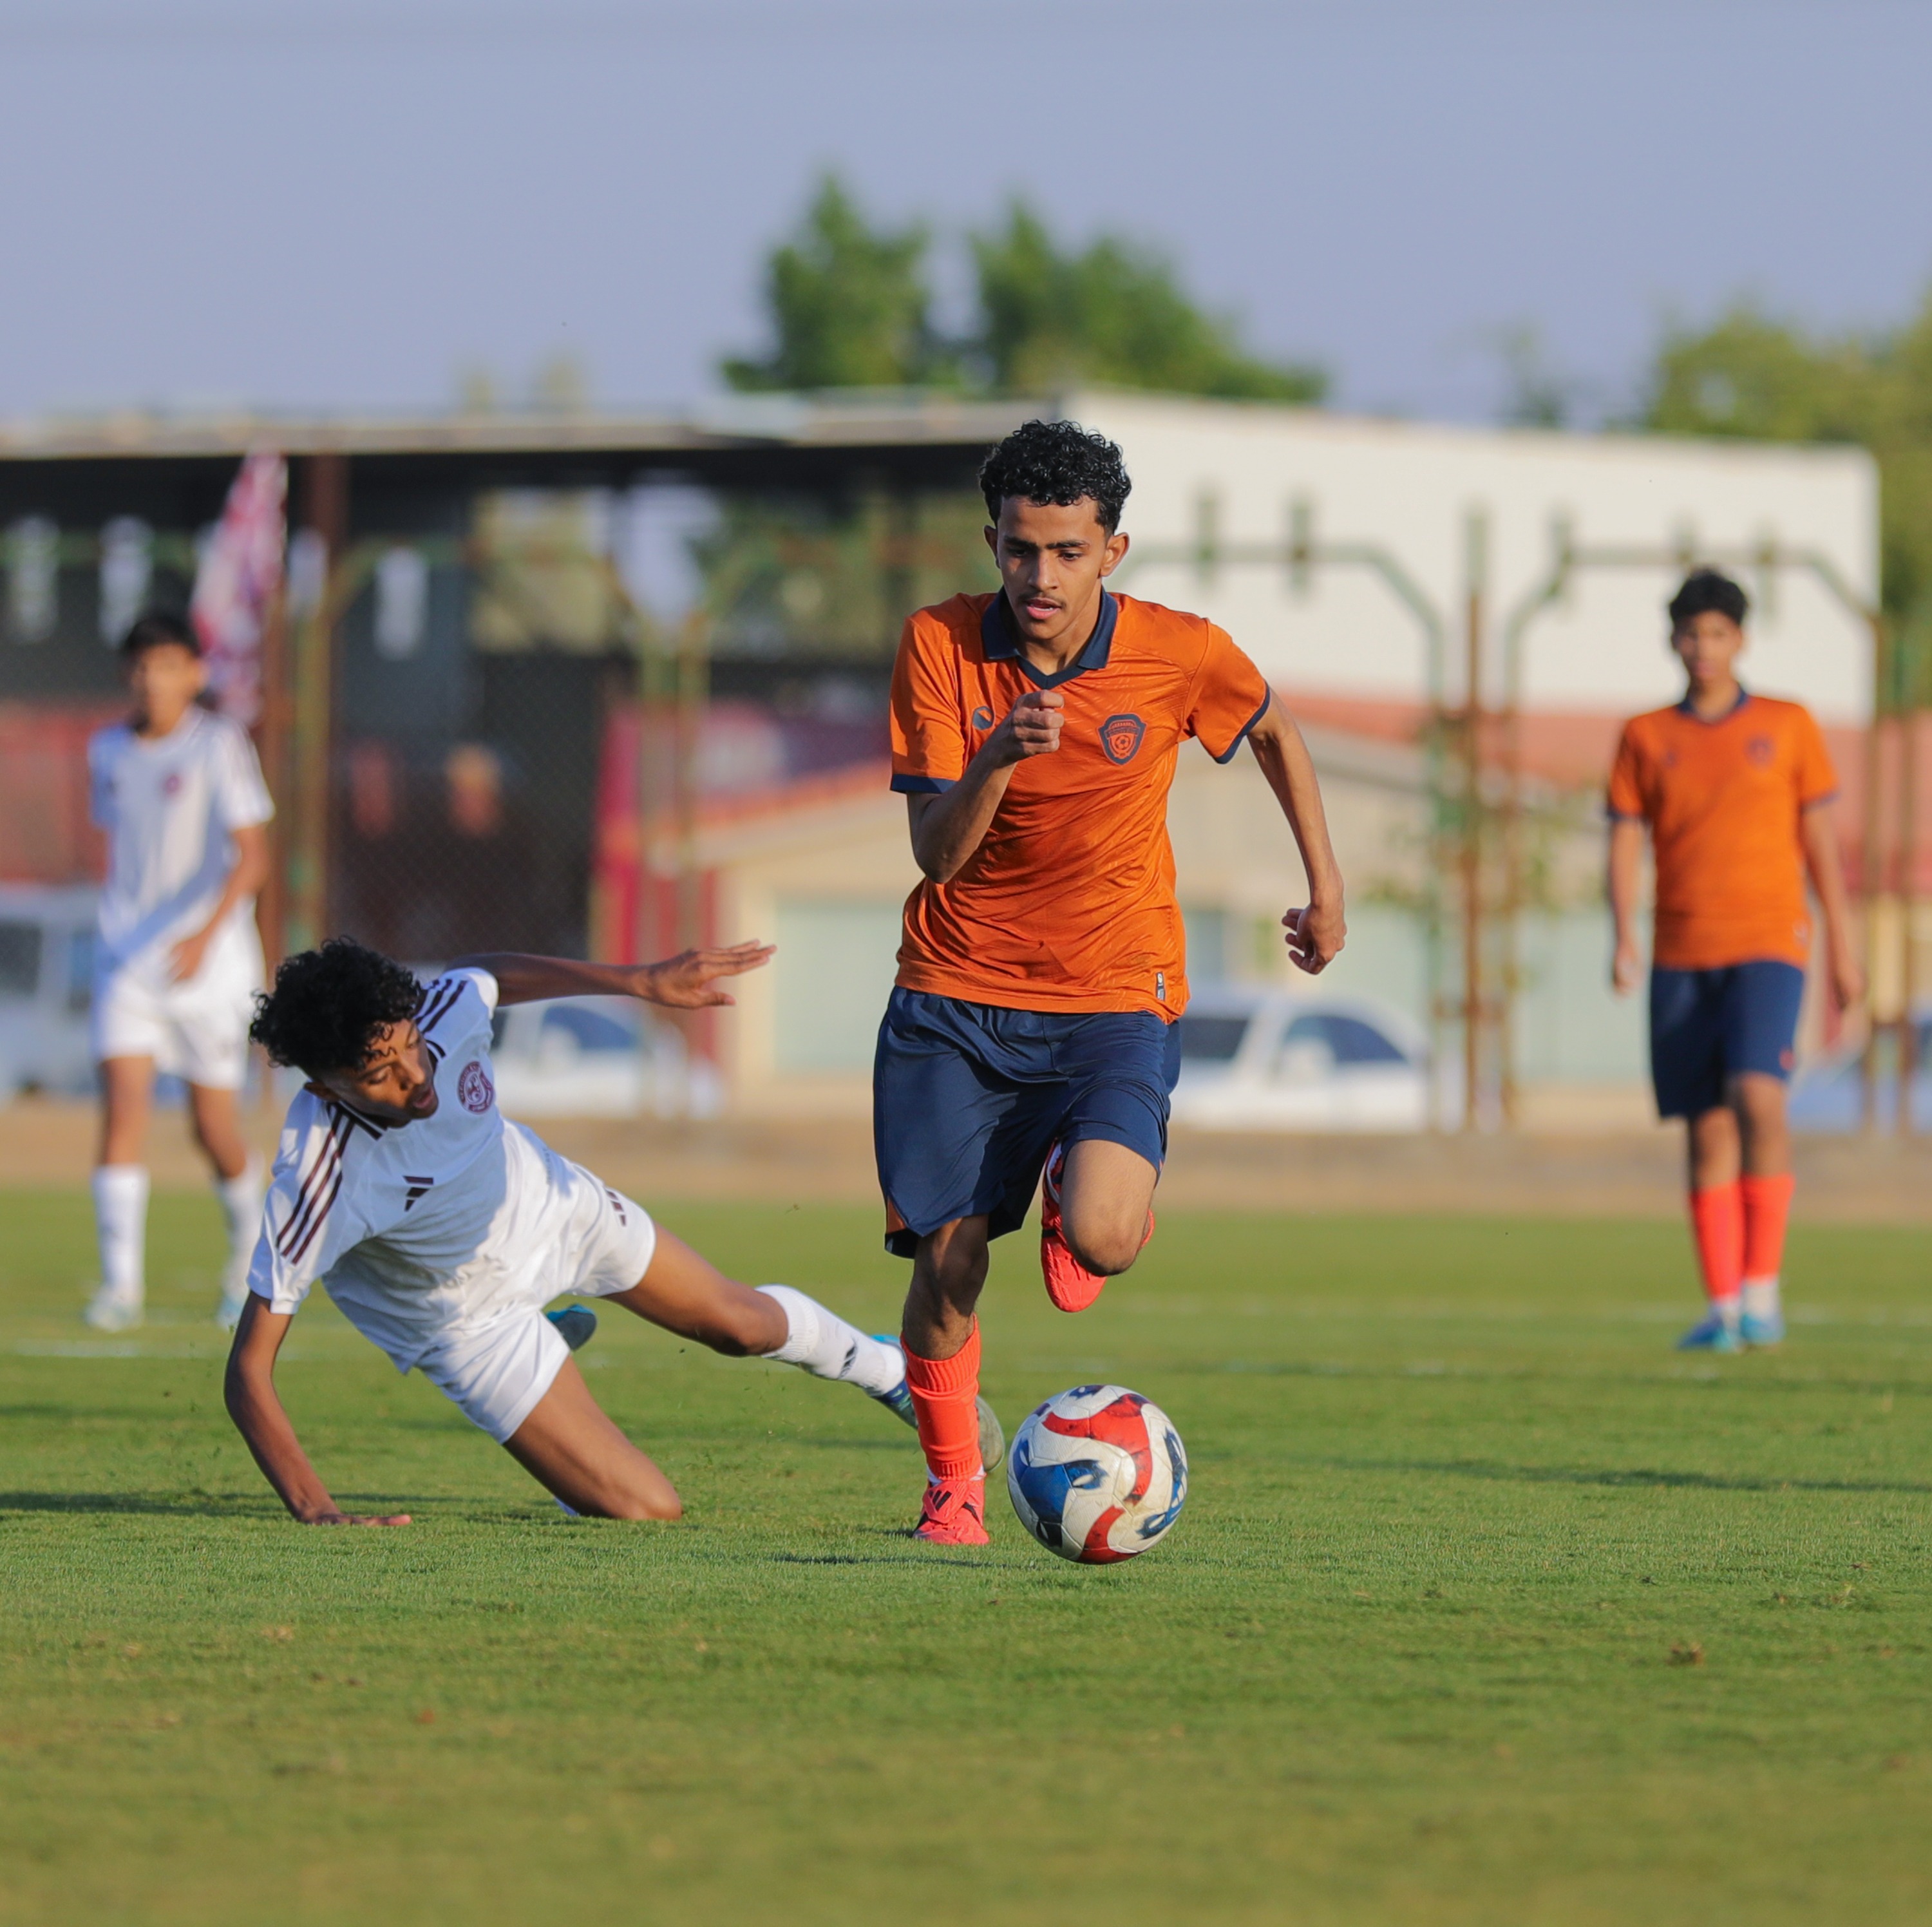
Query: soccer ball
x=1098 y=1474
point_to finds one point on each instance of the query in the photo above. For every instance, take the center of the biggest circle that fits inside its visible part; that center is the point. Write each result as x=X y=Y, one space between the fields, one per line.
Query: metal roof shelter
x=359 y=484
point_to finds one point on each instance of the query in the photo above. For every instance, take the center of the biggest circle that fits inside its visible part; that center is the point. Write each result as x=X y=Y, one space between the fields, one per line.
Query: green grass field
x=1486 y=1608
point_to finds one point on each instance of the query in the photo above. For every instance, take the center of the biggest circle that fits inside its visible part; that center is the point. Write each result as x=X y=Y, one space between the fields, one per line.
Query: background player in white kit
x=442 y=1232
x=180 y=794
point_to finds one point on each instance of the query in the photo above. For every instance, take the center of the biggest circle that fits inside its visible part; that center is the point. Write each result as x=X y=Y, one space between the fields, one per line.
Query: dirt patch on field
x=824 y=1160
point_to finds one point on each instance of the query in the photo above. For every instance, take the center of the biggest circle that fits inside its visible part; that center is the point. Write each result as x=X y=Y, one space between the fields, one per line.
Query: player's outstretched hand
x=1316 y=934
x=684 y=982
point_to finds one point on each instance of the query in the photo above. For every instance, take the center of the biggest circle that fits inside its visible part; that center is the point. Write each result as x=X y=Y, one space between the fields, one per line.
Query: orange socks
x=1767 y=1204
x=945 y=1400
x=1717 y=1223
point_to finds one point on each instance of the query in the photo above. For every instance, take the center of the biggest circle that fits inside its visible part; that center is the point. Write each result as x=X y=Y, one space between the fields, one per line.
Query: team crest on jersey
x=1761 y=749
x=982 y=718
x=171 y=784
x=474 y=1088
x=1120 y=737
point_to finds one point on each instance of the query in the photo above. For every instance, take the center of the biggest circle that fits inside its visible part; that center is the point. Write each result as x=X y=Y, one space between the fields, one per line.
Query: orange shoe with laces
x=1069 y=1283
x=953 y=1513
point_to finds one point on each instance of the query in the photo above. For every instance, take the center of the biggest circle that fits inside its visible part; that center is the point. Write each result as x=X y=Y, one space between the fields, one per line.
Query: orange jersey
x=1068 y=903
x=1723 y=800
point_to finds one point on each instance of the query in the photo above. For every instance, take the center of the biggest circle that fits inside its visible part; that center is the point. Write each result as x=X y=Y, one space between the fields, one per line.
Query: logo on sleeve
x=1120 y=737
x=474 y=1088
x=982 y=718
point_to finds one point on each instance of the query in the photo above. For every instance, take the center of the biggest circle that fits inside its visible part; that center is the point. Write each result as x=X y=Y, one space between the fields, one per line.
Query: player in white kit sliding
x=180 y=794
x=442 y=1231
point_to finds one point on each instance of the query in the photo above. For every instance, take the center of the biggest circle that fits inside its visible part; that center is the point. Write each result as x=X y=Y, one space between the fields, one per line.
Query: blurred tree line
x=851 y=306
x=1757 y=379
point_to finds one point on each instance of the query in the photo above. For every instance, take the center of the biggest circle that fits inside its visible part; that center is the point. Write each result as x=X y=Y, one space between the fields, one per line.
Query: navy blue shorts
x=967 y=1098
x=1706 y=1026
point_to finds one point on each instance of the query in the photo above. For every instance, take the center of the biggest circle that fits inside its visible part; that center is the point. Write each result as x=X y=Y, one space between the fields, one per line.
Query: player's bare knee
x=1105 y=1250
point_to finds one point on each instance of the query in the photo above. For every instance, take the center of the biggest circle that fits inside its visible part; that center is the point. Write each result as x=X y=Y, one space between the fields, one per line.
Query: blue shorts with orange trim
x=1708 y=1026
x=968 y=1098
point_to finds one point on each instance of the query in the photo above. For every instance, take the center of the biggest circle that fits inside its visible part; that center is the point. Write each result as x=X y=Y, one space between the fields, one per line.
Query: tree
x=849 y=305
x=1115 y=314
x=1761 y=379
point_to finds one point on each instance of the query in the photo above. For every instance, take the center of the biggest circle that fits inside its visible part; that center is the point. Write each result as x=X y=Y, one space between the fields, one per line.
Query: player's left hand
x=185 y=959
x=683 y=982
x=1316 y=932
x=1848 y=980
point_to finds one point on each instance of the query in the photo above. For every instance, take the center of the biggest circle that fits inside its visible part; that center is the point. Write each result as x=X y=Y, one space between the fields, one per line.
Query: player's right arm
x=1626 y=868
x=1627 y=831
x=948 y=827
x=249 y=1388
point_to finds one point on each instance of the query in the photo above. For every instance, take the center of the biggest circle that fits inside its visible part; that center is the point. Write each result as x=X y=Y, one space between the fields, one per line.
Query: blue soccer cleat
x=1761 y=1334
x=898 y=1402
x=576 y=1325
x=1716 y=1334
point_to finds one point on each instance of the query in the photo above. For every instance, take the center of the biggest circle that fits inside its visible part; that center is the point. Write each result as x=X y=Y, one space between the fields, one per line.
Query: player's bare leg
x=1095 y=1214
x=216 y=1116
x=121 y=1193
x=1105 y=1192
x=687 y=1294
x=572 y=1449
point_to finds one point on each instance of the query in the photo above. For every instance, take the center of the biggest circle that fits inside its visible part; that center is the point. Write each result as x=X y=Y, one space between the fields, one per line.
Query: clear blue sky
x=339 y=203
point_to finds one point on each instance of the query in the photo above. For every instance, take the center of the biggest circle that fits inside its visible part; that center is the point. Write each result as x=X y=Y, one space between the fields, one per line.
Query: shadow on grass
x=197 y=1504
x=1640 y=1477
x=886 y=1559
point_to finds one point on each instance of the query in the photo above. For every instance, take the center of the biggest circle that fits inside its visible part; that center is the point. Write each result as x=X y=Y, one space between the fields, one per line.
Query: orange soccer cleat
x=953 y=1512
x=1069 y=1283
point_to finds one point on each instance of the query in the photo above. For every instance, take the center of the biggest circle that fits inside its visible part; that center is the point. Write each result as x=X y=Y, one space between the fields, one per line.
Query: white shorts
x=197 y=1031
x=495 y=1373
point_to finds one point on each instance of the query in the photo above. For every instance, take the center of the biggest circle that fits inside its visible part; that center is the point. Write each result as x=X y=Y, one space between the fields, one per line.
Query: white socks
x=1760 y=1297
x=824 y=1344
x=121 y=1222
x=241 y=1198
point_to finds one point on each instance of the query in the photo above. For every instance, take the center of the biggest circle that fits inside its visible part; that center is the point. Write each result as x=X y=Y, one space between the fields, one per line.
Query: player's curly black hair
x=1059 y=462
x=1705 y=591
x=328 y=1005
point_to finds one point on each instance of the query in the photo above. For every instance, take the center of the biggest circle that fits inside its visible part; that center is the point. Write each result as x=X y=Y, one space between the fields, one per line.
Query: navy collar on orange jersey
x=1710 y=722
x=997 y=639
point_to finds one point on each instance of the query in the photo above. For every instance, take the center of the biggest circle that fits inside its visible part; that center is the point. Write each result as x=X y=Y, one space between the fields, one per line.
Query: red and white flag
x=235 y=584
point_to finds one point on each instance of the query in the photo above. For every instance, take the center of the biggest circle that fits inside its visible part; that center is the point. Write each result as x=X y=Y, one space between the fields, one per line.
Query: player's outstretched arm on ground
x=249 y=1388
x=1317 y=929
x=1819 y=827
x=685 y=982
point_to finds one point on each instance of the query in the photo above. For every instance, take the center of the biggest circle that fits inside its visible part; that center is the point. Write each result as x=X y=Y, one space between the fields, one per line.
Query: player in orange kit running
x=1736 y=792
x=1035 y=733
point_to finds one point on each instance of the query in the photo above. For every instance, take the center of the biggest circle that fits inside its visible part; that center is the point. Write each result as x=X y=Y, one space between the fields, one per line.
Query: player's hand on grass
x=684 y=982
x=1032 y=727
x=1626 y=966
x=1316 y=932
x=185 y=960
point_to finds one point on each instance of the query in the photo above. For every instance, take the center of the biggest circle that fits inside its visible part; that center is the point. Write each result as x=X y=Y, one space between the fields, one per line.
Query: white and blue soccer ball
x=1097 y=1475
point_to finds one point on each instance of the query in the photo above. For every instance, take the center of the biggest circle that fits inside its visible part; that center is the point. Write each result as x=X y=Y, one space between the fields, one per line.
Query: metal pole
x=1476 y=534
x=326 y=480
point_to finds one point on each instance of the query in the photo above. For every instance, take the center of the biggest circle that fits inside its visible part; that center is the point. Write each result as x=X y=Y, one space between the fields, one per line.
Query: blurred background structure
x=547 y=671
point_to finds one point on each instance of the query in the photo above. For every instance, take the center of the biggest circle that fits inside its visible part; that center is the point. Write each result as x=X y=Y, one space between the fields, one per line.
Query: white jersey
x=170 y=806
x=426 y=1231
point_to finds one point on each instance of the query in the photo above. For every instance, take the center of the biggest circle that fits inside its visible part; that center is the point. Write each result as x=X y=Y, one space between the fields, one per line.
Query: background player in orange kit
x=1031 y=1035
x=1736 y=792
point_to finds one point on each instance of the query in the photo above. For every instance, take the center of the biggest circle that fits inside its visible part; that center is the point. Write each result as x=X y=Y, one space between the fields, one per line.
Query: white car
x=47 y=983
x=596 y=1057
x=1258 y=1060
